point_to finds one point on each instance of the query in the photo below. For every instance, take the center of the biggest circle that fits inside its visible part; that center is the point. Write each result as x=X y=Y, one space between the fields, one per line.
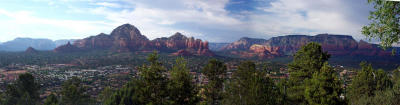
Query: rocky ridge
x=127 y=38
x=337 y=45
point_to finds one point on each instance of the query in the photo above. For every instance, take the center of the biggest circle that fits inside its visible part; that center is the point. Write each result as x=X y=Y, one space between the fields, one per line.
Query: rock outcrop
x=67 y=48
x=179 y=41
x=31 y=50
x=337 y=45
x=126 y=38
x=243 y=43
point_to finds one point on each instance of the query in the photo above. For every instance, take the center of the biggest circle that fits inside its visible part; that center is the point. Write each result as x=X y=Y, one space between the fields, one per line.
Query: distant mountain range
x=21 y=44
x=127 y=38
x=337 y=45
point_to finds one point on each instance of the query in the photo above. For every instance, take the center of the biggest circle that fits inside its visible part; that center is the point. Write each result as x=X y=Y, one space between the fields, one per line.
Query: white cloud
x=155 y=20
x=108 y=4
x=25 y=24
x=309 y=17
x=199 y=18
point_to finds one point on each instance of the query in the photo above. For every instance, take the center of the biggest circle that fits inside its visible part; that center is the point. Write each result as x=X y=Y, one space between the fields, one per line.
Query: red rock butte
x=337 y=45
x=127 y=38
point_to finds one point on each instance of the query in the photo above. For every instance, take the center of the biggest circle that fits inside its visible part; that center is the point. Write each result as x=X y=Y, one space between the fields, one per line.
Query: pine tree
x=2 y=98
x=367 y=84
x=155 y=81
x=105 y=94
x=215 y=72
x=324 y=88
x=24 y=92
x=73 y=93
x=308 y=60
x=181 y=88
x=250 y=86
x=51 y=100
x=150 y=88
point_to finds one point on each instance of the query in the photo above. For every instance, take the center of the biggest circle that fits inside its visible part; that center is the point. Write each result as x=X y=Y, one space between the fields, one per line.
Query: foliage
x=215 y=72
x=324 y=88
x=385 y=22
x=105 y=94
x=250 y=86
x=73 y=93
x=150 y=88
x=51 y=100
x=2 y=98
x=25 y=91
x=307 y=61
x=367 y=83
x=154 y=81
x=182 y=90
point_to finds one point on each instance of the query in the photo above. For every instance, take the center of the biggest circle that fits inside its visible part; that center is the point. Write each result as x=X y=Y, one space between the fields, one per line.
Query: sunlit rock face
x=338 y=45
x=126 y=38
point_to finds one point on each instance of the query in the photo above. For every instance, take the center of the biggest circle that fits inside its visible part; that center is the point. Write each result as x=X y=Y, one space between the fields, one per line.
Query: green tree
x=105 y=94
x=366 y=84
x=307 y=61
x=215 y=72
x=51 y=100
x=282 y=97
x=73 y=93
x=324 y=88
x=130 y=94
x=150 y=88
x=181 y=87
x=2 y=98
x=25 y=91
x=250 y=86
x=385 y=24
x=154 y=81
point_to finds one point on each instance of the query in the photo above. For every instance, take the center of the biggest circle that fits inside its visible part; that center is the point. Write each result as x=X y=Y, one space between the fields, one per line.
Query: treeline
x=312 y=82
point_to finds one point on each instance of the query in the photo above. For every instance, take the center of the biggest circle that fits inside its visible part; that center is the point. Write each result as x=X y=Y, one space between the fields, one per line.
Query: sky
x=211 y=20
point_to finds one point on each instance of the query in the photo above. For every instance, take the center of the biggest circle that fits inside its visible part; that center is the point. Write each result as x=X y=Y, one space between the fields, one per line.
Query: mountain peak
x=128 y=31
x=178 y=35
x=31 y=50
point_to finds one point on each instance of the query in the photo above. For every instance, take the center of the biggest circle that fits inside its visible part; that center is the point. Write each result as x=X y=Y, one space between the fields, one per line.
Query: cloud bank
x=212 y=20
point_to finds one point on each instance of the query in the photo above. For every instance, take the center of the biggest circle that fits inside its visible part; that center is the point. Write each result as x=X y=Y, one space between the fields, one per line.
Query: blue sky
x=212 y=20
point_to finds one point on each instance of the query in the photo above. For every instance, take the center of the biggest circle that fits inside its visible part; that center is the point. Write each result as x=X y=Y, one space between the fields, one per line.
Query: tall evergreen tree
x=367 y=83
x=324 y=88
x=181 y=87
x=150 y=88
x=105 y=94
x=215 y=72
x=2 y=98
x=25 y=91
x=130 y=94
x=250 y=86
x=308 y=60
x=51 y=100
x=73 y=93
x=155 y=81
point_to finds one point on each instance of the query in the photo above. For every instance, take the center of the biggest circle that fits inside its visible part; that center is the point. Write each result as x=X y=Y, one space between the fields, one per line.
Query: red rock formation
x=337 y=45
x=67 y=48
x=101 y=41
x=182 y=53
x=243 y=44
x=31 y=50
x=128 y=38
x=179 y=41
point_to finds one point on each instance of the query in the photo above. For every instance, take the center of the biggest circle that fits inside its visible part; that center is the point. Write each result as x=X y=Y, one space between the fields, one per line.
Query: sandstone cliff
x=287 y=45
x=126 y=38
